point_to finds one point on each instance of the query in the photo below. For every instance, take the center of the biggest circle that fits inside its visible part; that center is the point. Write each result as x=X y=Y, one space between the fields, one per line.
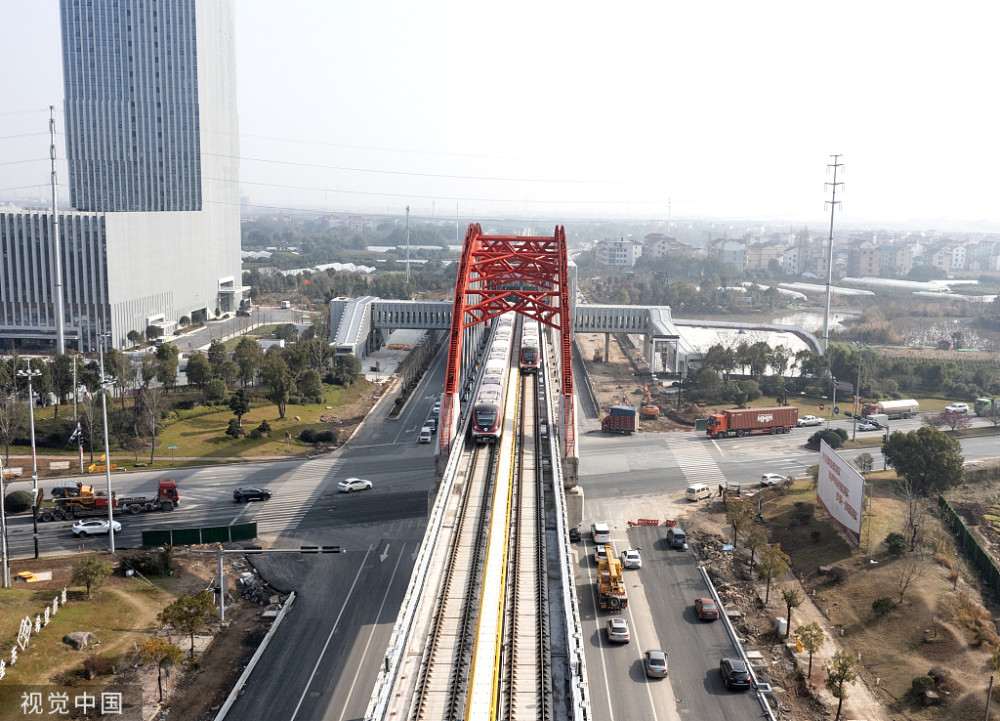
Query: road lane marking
x=326 y=645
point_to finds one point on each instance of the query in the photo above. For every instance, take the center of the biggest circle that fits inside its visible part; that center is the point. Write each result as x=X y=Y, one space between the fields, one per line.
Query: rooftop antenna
x=833 y=203
x=407 y=245
x=56 y=245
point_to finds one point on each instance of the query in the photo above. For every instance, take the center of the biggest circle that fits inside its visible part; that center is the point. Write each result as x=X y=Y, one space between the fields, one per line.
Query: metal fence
x=976 y=554
x=195 y=536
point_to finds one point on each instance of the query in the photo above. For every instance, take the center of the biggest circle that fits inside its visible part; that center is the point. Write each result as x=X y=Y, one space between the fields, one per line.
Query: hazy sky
x=697 y=109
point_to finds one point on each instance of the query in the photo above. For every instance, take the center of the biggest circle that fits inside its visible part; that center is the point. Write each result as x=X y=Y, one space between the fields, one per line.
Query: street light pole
x=3 y=531
x=29 y=374
x=857 y=395
x=107 y=445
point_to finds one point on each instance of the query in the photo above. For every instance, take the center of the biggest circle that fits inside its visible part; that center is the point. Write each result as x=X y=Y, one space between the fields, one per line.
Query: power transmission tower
x=833 y=203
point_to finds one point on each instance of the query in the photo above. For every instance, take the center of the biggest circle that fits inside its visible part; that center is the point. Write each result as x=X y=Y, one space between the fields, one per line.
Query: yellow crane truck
x=610 y=584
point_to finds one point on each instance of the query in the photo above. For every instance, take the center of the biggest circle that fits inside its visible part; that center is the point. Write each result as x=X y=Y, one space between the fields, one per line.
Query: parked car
x=618 y=630
x=242 y=495
x=631 y=559
x=734 y=673
x=349 y=485
x=656 y=664
x=94 y=527
x=574 y=534
x=809 y=421
x=432 y=424
x=771 y=479
x=425 y=435
x=706 y=609
x=957 y=408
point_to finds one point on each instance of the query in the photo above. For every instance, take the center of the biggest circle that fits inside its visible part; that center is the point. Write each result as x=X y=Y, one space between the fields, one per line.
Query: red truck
x=620 y=419
x=741 y=422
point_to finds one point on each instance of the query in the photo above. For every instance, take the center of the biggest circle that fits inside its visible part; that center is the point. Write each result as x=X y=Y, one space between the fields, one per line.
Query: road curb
x=241 y=681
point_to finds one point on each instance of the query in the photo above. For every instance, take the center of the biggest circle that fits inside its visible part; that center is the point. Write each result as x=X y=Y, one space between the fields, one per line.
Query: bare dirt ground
x=943 y=627
x=619 y=379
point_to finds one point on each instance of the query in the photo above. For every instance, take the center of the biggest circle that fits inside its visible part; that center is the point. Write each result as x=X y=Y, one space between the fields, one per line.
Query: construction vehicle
x=741 y=422
x=620 y=419
x=166 y=499
x=649 y=410
x=67 y=505
x=98 y=466
x=71 y=501
x=893 y=409
x=986 y=406
x=610 y=584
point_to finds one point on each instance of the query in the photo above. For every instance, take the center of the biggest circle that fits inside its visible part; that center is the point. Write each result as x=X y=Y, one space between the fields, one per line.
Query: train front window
x=486 y=418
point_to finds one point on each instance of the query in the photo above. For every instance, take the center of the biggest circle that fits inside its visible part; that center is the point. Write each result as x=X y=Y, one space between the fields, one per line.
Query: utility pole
x=107 y=445
x=407 y=245
x=79 y=435
x=56 y=244
x=832 y=202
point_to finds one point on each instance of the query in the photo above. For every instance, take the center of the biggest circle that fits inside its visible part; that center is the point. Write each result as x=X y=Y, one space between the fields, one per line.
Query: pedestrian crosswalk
x=697 y=464
x=293 y=495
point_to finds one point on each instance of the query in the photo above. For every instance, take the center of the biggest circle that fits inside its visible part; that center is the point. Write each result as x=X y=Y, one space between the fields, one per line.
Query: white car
x=93 y=527
x=809 y=421
x=957 y=408
x=631 y=559
x=349 y=485
x=867 y=426
x=771 y=479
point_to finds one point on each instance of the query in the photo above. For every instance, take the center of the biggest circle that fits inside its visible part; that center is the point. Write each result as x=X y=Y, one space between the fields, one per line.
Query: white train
x=530 y=354
x=487 y=411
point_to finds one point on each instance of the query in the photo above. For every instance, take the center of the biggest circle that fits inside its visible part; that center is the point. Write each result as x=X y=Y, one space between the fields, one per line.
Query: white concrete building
x=153 y=153
x=620 y=252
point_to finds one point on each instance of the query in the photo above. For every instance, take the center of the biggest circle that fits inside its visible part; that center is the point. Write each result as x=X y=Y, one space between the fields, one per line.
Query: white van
x=601 y=532
x=697 y=491
x=425 y=435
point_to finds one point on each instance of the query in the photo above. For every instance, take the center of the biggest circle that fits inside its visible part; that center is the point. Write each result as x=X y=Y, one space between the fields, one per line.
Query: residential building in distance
x=619 y=252
x=153 y=153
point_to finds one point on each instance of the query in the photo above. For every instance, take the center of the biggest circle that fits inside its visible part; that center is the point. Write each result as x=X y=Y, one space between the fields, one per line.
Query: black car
x=734 y=673
x=242 y=495
x=574 y=534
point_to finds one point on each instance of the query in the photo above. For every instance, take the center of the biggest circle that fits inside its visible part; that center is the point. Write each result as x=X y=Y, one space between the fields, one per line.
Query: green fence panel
x=977 y=555
x=700 y=424
x=216 y=534
x=243 y=532
x=193 y=536
x=186 y=536
x=156 y=538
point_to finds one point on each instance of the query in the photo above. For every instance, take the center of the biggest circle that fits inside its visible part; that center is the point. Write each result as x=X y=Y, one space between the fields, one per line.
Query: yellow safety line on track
x=497 y=550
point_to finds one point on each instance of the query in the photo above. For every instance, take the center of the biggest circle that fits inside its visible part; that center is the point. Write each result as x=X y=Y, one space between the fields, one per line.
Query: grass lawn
x=203 y=436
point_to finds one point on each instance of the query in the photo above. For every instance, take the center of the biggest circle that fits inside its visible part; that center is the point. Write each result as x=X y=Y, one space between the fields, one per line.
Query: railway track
x=526 y=680
x=441 y=690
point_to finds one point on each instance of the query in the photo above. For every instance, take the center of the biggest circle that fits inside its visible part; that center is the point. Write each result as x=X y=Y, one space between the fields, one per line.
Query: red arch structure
x=501 y=273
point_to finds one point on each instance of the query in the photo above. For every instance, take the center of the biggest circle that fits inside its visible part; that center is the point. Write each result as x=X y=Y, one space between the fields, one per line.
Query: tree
x=168 y=358
x=841 y=670
x=134 y=337
x=217 y=354
x=812 y=637
x=229 y=373
x=864 y=463
x=754 y=539
x=91 y=572
x=189 y=613
x=150 y=404
x=92 y=429
x=792 y=599
x=916 y=508
x=774 y=563
x=161 y=652
x=278 y=380
x=739 y=515
x=310 y=386
x=61 y=369
x=249 y=358
x=287 y=332
x=926 y=457
x=199 y=371
x=904 y=573
x=346 y=370
x=216 y=390
x=12 y=417
x=239 y=403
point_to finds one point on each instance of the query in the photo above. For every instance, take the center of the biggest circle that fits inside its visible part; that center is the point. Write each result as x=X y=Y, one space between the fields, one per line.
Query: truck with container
x=610 y=583
x=893 y=409
x=166 y=499
x=620 y=419
x=741 y=422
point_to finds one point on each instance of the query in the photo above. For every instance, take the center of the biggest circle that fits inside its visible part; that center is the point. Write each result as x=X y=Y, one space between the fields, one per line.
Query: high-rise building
x=153 y=153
